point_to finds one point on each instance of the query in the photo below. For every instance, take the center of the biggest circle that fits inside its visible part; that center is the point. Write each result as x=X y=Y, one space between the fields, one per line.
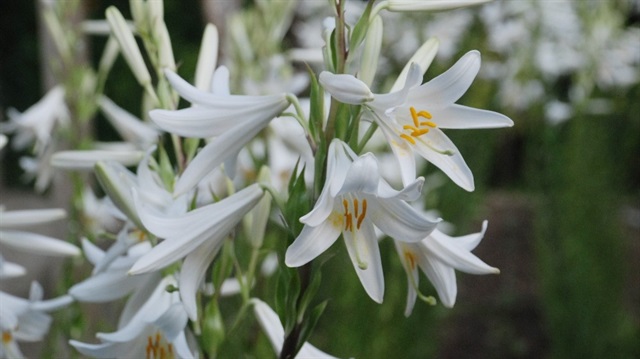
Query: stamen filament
x=364 y=213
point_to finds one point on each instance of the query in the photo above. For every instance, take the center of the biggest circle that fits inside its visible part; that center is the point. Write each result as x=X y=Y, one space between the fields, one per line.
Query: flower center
x=410 y=257
x=354 y=211
x=418 y=128
x=159 y=348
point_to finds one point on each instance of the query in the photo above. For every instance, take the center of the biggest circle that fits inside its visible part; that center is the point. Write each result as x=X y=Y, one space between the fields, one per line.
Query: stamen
x=428 y=123
x=411 y=259
x=356 y=208
x=414 y=116
x=348 y=224
x=425 y=114
x=409 y=127
x=408 y=138
x=364 y=213
x=420 y=132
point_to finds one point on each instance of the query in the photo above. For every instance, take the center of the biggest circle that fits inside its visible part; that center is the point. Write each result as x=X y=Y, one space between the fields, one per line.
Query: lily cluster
x=231 y=174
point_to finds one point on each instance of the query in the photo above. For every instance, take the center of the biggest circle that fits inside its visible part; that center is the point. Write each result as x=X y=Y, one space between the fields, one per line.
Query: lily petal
x=365 y=256
x=447 y=88
x=445 y=248
x=460 y=117
x=311 y=242
x=37 y=243
x=346 y=88
x=400 y=221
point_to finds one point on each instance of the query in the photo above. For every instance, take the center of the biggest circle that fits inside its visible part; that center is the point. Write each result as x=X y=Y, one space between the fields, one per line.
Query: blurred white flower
x=438 y=255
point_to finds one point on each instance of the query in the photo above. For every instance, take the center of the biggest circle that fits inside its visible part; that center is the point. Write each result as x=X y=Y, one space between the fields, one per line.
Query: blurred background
x=561 y=189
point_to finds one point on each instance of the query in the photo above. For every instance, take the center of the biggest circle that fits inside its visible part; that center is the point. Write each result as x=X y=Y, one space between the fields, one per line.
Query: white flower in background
x=10 y=270
x=3 y=141
x=38 y=122
x=100 y=215
x=157 y=329
x=438 y=256
x=25 y=320
x=39 y=168
x=197 y=235
x=426 y=5
x=32 y=242
x=287 y=145
x=411 y=118
x=110 y=280
x=232 y=119
x=131 y=129
x=87 y=159
x=274 y=330
x=353 y=200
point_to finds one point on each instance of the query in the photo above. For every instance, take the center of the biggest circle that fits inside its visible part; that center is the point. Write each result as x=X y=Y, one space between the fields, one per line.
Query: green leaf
x=316 y=113
x=213 y=330
x=309 y=294
x=309 y=325
x=360 y=30
x=165 y=169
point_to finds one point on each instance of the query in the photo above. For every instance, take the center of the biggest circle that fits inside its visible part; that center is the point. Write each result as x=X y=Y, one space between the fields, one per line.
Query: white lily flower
x=33 y=242
x=155 y=330
x=3 y=141
x=270 y=323
x=438 y=256
x=197 y=235
x=25 y=320
x=233 y=119
x=87 y=159
x=37 y=123
x=411 y=118
x=354 y=199
x=207 y=58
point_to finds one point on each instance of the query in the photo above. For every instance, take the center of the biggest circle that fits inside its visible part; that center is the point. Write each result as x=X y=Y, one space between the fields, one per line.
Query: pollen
x=159 y=348
x=418 y=128
x=354 y=211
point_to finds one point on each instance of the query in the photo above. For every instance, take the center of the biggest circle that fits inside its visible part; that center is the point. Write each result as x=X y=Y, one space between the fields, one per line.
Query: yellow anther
x=364 y=213
x=411 y=259
x=409 y=127
x=355 y=207
x=348 y=223
x=425 y=114
x=428 y=123
x=420 y=132
x=414 y=116
x=6 y=337
x=408 y=138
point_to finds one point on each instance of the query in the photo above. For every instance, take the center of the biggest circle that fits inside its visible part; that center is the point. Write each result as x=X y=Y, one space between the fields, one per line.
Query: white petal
x=457 y=116
x=214 y=154
x=220 y=81
x=453 y=165
x=107 y=286
x=447 y=88
x=270 y=323
x=192 y=274
x=471 y=241
x=362 y=246
x=193 y=95
x=85 y=160
x=204 y=224
x=410 y=193
x=207 y=58
x=399 y=220
x=12 y=219
x=442 y=277
x=312 y=242
x=104 y=350
x=11 y=270
x=363 y=176
x=430 y=5
x=445 y=248
x=346 y=88
x=204 y=122
x=50 y=305
x=172 y=322
x=422 y=57
x=38 y=244
x=128 y=126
